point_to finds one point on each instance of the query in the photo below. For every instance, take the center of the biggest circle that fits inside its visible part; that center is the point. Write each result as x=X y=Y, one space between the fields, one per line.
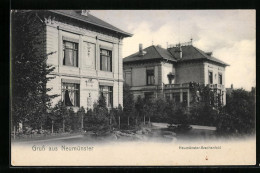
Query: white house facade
x=87 y=56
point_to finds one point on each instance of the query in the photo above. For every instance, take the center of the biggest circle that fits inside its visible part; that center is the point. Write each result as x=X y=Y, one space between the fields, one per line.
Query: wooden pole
x=52 y=126
x=82 y=122
x=119 y=121
x=63 y=126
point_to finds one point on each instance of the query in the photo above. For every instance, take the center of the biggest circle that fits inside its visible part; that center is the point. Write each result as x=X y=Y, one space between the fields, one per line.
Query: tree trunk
x=82 y=122
x=128 y=120
x=110 y=120
x=119 y=122
x=52 y=126
x=63 y=126
x=144 y=120
x=149 y=121
x=136 y=121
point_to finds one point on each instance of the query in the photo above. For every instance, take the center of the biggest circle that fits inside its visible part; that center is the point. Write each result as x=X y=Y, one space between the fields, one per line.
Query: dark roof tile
x=90 y=19
x=152 y=52
x=188 y=53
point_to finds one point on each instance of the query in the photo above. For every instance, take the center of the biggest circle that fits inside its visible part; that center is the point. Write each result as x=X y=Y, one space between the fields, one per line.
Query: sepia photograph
x=132 y=87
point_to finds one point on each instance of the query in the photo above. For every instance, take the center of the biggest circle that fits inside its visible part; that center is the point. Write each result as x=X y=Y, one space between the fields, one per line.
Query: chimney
x=140 y=48
x=141 y=51
x=209 y=53
x=178 y=52
x=85 y=12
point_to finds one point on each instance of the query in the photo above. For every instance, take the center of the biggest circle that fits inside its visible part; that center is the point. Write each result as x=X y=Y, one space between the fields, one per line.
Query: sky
x=229 y=34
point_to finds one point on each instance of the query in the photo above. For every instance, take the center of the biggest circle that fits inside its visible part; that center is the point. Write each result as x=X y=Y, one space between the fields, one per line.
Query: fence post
x=52 y=127
x=82 y=125
x=119 y=121
x=63 y=126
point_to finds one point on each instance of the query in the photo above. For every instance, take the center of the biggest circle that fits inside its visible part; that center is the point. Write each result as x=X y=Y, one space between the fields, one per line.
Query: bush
x=97 y=120
x=203 y=114
x=238 y=116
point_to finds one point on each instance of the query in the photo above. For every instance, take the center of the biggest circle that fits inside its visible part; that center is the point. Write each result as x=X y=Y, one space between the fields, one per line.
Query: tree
x=30 y=72
x=98 y=120
x=128 y=102
x=204 y=105
x=160 y=110
x=139 y=107
x=60 y=116
x=81 y=115
x=148 y=109
x=119 y=114
x=238 y=116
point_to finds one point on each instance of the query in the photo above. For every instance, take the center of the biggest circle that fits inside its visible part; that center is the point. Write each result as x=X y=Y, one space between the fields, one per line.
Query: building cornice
x=86 y=76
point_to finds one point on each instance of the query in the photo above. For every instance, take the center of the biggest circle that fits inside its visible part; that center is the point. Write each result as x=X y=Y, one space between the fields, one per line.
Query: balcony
x=187 y=85
x=216 y=86
x=182 y=85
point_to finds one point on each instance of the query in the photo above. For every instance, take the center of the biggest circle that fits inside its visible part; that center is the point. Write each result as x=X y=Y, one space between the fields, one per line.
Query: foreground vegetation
x=237 y=117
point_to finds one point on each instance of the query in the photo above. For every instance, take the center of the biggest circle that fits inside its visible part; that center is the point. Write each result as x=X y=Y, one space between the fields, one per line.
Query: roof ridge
x=155 y=47
x=110 y=27
x=200 y=51
x=209 y=57
x=106 y=22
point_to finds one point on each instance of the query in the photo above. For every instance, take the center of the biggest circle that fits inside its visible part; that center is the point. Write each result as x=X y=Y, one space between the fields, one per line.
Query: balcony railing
x=216 y=86
x=174 y=86
x=187 y=85
x=182 y=85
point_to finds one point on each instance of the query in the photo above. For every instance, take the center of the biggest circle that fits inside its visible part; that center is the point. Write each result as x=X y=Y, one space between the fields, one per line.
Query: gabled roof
x=152 y=53
x=189 y=53
x=192 y=53
x=75 y=14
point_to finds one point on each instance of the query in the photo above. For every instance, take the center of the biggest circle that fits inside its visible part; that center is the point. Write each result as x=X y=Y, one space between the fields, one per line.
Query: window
x=185 y=98
x=148 y=95
x=210 y=77
x=70 y=94
x=70 y=53
x=220 y=78
x=150 y=77
x=105 y=60
x=176 y=97
x=128 y=78
x=107 y=92
x=168 y=96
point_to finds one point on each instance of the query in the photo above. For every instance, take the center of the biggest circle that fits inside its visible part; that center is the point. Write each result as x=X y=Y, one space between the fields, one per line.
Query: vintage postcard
x=133 y=87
